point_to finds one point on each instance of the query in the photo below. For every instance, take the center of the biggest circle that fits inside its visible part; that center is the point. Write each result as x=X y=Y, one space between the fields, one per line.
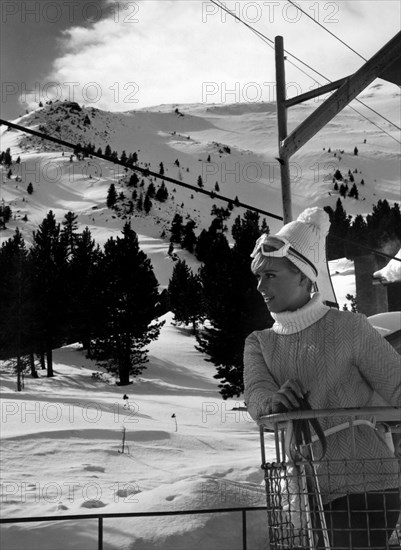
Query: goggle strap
x=260 y=243
x=304 y=259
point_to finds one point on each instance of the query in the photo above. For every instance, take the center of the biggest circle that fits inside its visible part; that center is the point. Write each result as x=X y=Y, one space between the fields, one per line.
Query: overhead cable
x=271 y=44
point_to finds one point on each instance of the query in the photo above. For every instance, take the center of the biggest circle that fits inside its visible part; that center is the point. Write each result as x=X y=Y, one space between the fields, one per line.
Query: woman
x=338 y=360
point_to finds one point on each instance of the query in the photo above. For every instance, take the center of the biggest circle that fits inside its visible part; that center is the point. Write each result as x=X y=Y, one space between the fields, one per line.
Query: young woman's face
x=282 y=288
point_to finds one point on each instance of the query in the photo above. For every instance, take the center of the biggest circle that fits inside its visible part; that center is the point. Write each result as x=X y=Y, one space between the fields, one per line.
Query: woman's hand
x=286 y=399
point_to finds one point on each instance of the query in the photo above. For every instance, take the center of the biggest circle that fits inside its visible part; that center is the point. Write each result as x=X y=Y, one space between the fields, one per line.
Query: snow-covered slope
x=241 y=140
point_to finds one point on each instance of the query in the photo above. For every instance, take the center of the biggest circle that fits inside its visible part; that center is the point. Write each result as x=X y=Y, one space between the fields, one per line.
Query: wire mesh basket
x=322 y=503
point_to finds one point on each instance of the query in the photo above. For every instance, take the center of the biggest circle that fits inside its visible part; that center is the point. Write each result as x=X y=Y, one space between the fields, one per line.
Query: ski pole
x=307 y=436
x=319 y=502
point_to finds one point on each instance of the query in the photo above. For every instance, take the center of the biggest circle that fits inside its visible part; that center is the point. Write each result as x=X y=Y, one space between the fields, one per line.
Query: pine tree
x=200 y=182
x=354 y=305
x=50 y=283
x=246 y=231
x=232 y=304
x=111 y=196
x=8 y=158
x=340 y=224
x=70 y=231
x=189 y=237
x=354 y=192
x=338 y=175
x=30 y=188
x=107 y=151
x=185 y=296
x=78 y=150
x=16 y=298
x=384 y=223
x=264 y=227
x=5 y=215
x=358 y=234
x=162 y=193
x=85 y=310
x=147 y=204
x=202 y=247
x=356 y=151
x=130 y=300
x=151 y=192
x=216 y=187
x=134 y=180
x=176 y=229
x=207 y=237
x=161 y=169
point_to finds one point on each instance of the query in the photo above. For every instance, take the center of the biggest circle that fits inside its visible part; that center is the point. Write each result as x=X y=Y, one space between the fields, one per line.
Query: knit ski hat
x=307 y=235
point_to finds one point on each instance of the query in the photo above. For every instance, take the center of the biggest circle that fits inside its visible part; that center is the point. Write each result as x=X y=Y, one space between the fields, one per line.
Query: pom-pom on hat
x=307 y=235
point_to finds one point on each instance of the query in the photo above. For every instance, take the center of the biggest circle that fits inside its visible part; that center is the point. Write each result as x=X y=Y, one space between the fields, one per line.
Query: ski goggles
x=275 y=247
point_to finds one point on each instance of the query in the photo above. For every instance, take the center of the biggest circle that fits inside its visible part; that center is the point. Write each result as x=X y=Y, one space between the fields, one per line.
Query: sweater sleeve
x=259 y=383
x=378 y=361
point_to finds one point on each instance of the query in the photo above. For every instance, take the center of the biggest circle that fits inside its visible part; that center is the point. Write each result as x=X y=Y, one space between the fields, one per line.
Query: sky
x=122 y=56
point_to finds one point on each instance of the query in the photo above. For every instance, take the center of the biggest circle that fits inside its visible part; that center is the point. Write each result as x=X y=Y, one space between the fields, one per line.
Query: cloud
x=151 y=52
x=158 y=53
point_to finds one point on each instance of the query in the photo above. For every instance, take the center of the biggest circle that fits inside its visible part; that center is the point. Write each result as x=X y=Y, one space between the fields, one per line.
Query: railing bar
x=393 y=412
x=129 y=515
x=352 y=436
x=100 y=534
x=262 y=444
x=244 y=529
x=277 y=442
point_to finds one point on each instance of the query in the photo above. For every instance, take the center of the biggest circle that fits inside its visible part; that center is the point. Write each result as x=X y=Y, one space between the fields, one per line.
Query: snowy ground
x=62 y=443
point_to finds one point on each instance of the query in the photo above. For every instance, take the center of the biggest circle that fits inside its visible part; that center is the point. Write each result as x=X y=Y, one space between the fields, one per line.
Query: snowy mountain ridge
x=234 y=145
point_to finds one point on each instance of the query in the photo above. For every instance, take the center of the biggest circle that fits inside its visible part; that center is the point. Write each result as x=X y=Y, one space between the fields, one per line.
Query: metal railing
x=300 y=487
x=101 y=517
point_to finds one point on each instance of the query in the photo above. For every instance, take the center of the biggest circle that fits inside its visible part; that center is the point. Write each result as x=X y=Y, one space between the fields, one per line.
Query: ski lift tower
x=386 y=64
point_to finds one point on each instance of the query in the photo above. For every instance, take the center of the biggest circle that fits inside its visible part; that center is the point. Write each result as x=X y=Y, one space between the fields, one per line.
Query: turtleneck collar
x=291 y=322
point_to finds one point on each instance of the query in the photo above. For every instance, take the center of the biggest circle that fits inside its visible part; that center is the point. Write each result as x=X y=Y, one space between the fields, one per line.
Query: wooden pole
x=282 y=130
x=351 y=87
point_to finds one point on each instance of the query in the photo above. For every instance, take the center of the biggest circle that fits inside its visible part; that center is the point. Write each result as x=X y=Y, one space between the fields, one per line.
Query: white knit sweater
x=342 y=361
